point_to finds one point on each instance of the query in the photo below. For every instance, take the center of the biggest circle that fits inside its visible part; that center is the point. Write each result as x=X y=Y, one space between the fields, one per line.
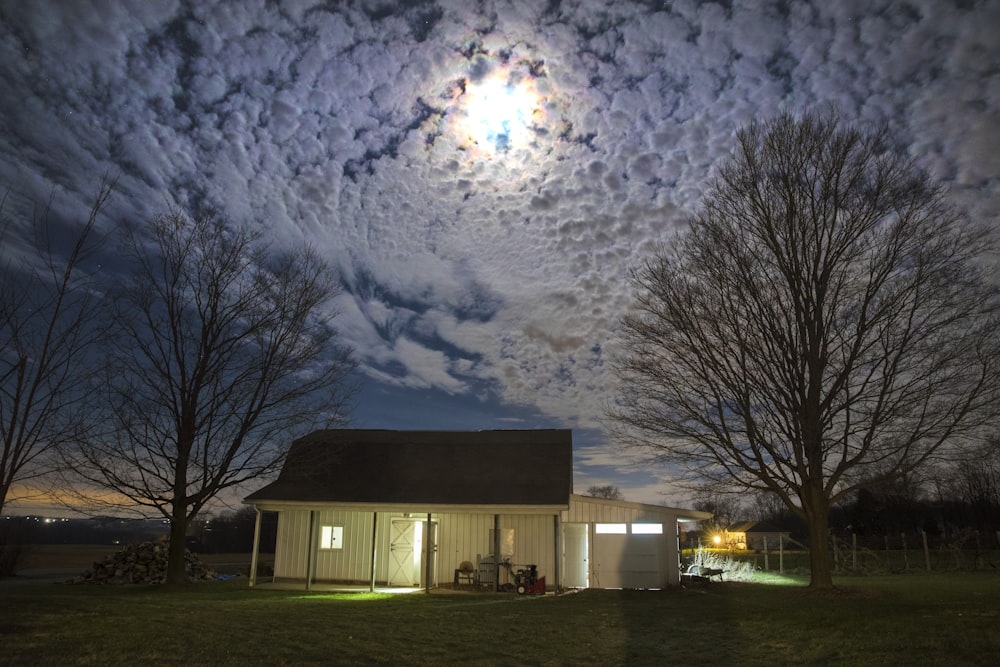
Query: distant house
x=756 y=535
x=409 y=508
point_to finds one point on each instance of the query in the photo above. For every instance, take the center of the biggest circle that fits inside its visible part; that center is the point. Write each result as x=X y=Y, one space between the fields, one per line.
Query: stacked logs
x=144 y=563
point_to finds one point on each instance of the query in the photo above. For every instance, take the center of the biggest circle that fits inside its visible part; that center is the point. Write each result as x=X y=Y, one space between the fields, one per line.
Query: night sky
x=482 y=174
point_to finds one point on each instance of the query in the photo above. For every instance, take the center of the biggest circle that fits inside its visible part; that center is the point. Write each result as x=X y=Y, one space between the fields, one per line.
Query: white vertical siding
x=534 y=542
x=464 y=537
x=352 y=563
x=584 y=510
x=291 y=548
x=460 y=537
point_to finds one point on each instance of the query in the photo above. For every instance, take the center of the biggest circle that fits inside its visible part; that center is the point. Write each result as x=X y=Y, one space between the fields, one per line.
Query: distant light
x=717 y=539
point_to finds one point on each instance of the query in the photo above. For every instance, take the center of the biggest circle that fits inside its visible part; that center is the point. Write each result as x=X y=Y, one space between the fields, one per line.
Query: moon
x=500 y=112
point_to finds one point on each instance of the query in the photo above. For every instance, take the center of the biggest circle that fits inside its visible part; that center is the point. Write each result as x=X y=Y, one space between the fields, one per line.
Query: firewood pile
x=144 y=563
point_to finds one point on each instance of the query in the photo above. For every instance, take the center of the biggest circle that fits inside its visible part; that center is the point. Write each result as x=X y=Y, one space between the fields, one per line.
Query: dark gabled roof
x=426 y=467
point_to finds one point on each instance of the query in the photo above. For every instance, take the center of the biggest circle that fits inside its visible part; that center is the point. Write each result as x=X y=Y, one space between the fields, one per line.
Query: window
x=610 y=528
x=647 y=528
x=331 y=537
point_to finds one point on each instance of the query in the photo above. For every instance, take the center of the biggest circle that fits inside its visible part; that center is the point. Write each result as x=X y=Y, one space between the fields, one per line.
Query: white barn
x=408 y=508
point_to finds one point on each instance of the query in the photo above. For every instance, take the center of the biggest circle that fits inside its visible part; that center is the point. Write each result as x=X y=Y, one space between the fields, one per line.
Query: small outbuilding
x=428 y=508
x=756 y=535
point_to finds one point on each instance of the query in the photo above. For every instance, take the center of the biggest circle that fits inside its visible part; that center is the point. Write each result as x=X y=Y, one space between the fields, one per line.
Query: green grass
x=949 y=619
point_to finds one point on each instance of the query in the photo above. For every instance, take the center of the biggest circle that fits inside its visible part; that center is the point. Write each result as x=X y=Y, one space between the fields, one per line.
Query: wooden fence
x=914 y=552
x=884 y=554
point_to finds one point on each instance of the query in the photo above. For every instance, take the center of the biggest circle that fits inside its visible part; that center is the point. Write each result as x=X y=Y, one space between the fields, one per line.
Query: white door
x=406 y=552
x=575 y=560
x=628 y=561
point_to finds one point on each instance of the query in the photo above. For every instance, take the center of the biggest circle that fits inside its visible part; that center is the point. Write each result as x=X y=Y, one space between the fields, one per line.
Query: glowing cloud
x=500 y=112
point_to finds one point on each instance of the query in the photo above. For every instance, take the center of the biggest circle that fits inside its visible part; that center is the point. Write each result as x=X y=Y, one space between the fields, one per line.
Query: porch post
x=256 y=547
x=496 y=553
x=557 y=582
x=371 y=587
x=311 y=550
x=427 y=555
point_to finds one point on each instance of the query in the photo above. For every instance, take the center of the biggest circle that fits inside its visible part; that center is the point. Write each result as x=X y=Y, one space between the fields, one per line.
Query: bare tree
x=608 y=491
x=726 y=508
x=765 y=506
x=826 y=316
x=46 y=326
x=975 y=480
x=221 y=354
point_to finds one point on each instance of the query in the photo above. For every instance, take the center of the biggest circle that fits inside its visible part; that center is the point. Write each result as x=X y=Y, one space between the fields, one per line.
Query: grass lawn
x=940 y=619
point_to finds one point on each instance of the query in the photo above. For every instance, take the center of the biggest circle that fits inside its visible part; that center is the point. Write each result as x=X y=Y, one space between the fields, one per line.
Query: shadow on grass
x=675 y=625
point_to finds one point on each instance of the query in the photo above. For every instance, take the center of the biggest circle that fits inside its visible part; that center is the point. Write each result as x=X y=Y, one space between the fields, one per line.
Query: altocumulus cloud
x=486 y=261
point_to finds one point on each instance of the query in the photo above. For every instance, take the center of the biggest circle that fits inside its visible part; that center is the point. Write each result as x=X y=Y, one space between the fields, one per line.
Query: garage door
x=628 y=558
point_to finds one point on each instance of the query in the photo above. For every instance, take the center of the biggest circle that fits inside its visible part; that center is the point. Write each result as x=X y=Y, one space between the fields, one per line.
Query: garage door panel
x=628 y=561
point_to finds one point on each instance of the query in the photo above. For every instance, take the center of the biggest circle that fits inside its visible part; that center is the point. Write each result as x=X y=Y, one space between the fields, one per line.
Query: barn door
x=404 y=559
x=406 y=552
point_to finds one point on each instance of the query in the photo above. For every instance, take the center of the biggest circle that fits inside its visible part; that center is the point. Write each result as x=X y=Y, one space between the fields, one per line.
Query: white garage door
x=628 y=559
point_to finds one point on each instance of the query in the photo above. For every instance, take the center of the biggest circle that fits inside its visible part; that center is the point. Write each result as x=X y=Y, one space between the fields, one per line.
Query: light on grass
x=346 y=597
x=773 y=579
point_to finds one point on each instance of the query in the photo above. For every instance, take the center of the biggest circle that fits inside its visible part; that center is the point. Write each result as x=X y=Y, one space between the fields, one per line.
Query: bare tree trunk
x=176 y=560
x=817 y=518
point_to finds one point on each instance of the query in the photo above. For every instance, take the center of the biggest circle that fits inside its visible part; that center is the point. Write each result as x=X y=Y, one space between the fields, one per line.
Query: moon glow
x=500 y=113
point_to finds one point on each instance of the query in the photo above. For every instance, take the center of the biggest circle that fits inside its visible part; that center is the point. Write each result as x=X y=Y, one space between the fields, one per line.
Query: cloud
x=473 y=270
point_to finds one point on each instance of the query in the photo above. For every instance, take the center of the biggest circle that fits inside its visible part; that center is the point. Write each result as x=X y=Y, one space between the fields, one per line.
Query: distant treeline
x=224 y=533
x=878 y=514
x=873 y=517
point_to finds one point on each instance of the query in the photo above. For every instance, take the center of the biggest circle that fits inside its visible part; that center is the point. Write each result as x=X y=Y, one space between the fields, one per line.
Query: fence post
x=781 y=553
x=767 y=565
x=927 y=553
x=833 y=541
x=854 y=552
x=888 y=563
x=906 y=556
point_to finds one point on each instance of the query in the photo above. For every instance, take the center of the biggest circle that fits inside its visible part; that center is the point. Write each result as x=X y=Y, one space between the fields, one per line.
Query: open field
x=76 y=558
x=947 y=619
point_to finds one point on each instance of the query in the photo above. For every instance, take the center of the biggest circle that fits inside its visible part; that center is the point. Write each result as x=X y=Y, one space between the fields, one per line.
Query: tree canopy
x=825 y=322
x=221 y=351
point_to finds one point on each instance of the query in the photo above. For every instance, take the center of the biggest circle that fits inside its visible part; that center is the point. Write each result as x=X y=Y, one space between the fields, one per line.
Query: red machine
x=526 y=579
x=528 y=582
